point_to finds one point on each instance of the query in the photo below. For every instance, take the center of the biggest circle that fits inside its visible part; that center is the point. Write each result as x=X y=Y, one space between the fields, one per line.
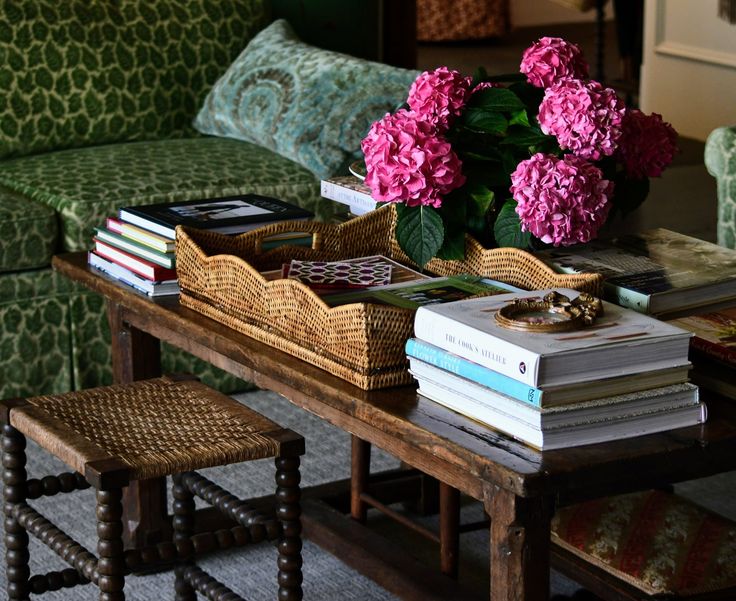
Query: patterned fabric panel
x=310 y=105
x=91 y=356
x=28 y=232
x=82 y=72
x=461 y=19
x=656 y=541
x=720 y=159
x=86 y=185
x=35 y=337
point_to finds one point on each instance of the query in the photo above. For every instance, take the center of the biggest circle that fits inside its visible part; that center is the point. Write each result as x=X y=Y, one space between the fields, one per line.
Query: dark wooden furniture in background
x=518 y=486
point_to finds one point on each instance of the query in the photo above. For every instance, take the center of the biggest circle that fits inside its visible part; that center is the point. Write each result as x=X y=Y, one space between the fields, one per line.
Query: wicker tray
x=360 y=342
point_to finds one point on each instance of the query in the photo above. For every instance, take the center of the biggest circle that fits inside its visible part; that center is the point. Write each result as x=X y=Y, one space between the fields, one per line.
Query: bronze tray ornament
x=362 y=343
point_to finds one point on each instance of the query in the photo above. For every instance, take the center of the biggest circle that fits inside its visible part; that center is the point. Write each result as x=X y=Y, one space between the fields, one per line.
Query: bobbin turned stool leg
x=288 y=511
x=14 y=493
x=183 y=526
x=111 y=564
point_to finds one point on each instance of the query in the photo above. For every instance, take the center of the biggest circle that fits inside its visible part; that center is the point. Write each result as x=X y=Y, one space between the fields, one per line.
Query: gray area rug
x=251 y=571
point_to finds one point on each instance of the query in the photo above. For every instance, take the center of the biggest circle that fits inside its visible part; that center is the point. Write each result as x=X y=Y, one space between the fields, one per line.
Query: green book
x=140 y=250
x=414 y=294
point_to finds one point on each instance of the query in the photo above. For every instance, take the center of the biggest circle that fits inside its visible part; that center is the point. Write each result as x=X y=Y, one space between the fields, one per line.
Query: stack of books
x=138 y=246
x=624 y=376
x=348 y=190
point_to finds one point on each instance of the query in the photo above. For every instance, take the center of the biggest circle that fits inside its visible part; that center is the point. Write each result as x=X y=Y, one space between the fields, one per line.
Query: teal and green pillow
x=310 y=105
x=85 y=72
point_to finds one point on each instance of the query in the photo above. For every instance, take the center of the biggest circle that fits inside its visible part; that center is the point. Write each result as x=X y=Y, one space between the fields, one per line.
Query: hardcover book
x=120 y=273
x=141 y=266
x=652 y=411
x=227 y=215
x=621 y=342
x=657 y=271
x=431 y=291
x=154 y=241
x=438 y=362
x=348 y=190
x=136 y=248
x=715 y=334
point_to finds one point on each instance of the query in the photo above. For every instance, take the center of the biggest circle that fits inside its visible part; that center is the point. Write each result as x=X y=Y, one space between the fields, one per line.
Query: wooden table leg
x=449 y=529
x=360 y=468
x=519 y=555
x=136 y=355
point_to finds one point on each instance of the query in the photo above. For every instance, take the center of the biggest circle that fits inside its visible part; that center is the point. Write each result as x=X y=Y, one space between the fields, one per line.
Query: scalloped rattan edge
x=363 y=343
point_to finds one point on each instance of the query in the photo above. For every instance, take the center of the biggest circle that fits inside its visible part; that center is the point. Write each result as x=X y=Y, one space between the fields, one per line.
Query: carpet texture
x=251 y=571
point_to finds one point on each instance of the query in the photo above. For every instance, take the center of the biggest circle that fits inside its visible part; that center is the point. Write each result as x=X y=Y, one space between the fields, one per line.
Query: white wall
x=545 y=12
x=689 y=65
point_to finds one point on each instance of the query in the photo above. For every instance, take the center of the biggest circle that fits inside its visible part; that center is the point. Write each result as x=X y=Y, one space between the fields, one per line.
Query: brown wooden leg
x=14 y=492
x=449 y=529
x=519 y=553
x=136 y=355
x=111 y=565
x=360 y=469
x=288 y=511
x=183 y=526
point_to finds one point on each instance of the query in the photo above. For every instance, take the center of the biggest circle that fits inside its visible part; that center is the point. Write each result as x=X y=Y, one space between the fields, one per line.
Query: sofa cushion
x=310 y=105
x=28 y=232
x=78 y=72
x=659 y=542
x=85 y=185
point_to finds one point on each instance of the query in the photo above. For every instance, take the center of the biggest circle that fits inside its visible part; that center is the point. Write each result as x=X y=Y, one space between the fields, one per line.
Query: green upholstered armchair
x=720 y=159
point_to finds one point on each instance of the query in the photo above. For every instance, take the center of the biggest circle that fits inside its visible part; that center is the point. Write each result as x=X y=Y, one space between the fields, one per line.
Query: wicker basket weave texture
x=363 y=343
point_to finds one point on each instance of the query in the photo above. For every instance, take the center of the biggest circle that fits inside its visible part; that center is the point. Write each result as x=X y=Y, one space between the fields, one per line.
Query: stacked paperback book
x=138 y=246
x=624 y=376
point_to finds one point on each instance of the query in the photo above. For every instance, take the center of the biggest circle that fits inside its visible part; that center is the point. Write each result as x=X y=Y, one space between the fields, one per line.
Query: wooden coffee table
x=518 y=486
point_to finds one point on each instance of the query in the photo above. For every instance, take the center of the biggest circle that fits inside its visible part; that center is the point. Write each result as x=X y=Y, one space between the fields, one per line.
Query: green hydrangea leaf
x=507 y=229
x=519 y=118
x=453 y=246
x=497 y=99
x=525 y=136
x=419 y=232
x=485 y=121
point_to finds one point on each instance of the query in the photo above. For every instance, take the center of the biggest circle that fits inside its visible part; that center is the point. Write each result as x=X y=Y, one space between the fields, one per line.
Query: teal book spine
x=472 y=371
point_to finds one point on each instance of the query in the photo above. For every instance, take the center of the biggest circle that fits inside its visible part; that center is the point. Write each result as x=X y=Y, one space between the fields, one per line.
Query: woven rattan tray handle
x=262 y=234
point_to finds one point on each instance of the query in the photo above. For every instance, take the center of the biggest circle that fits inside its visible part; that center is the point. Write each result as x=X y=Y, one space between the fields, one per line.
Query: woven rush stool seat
x=111 y=436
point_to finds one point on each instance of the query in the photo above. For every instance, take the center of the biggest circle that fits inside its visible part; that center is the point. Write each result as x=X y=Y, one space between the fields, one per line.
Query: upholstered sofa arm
x=720 y=160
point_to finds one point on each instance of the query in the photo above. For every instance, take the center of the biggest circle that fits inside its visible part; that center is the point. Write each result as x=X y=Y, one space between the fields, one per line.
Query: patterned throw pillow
x=84 y=72
x=310 y=105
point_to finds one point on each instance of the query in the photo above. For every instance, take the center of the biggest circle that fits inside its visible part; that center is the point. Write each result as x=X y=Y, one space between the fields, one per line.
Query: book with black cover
x=226 y=215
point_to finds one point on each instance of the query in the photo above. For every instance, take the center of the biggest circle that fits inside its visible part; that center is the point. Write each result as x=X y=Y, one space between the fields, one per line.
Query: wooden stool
x=114 y=435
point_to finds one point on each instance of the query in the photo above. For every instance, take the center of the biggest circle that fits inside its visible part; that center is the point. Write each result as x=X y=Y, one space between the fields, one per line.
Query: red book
x=137 y=265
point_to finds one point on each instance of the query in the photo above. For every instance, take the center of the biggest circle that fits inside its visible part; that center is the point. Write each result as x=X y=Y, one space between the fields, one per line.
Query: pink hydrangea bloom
x=407 y=161
x=484 y=85
x=438 y=96
x=585 y=117
x=647 y=145
x=550 y=59
x=560 y=201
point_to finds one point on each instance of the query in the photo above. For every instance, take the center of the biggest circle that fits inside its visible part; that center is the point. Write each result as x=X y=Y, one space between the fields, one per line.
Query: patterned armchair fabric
x=439 y=20
x=720 y=159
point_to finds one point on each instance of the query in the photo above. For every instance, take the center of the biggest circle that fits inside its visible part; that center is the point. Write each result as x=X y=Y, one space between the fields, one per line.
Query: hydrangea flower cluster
x=647 y=145
x=560 y=201
x=544 y=169
x=551 y=59
x=407 y=161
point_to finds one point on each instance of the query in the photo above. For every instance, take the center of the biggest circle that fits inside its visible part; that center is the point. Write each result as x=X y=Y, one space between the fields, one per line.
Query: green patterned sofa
x=96 y=105
x=720 y=159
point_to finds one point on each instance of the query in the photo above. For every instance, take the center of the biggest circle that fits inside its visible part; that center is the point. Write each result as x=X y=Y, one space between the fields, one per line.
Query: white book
x=586 y=412
x=629 y=426
x=621 y=342
x=349 y=190
x=120 y=273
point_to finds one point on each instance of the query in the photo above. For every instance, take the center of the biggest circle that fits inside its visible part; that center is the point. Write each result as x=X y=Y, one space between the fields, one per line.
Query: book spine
x=140 y=266
x=625 y=297
x=357 y=201
x=713 y=350
x=479 y=347
x=474 y=372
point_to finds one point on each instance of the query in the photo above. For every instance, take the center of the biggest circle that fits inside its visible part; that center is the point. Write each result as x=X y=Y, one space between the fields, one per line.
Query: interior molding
x=686 y=51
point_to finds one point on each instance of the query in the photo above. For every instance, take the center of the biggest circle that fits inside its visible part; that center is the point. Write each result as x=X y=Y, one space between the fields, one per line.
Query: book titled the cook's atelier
x=621 y=342
x=227 y=215
x=657 y=271
x=437 y=361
